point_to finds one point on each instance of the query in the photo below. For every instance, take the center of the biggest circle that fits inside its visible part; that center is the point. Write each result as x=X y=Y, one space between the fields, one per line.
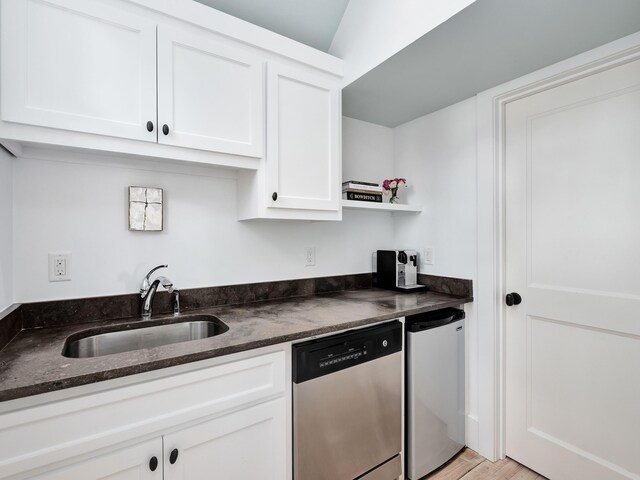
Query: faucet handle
x=176 y=301
x=144 y=288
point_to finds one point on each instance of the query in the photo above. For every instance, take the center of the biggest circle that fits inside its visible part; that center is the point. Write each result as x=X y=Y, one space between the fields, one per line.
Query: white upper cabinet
x=210 y=95
x=178 y=81
x=303 y=143
x=78 y=65
x=300 y=177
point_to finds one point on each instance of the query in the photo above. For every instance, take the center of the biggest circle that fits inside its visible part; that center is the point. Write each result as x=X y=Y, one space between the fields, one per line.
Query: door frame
x=491 y=288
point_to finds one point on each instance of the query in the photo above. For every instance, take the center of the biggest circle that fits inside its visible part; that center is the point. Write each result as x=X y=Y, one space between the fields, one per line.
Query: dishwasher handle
x=434 y=319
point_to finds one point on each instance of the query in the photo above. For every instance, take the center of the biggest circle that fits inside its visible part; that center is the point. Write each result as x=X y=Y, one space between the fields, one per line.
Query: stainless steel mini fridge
x=435 y=390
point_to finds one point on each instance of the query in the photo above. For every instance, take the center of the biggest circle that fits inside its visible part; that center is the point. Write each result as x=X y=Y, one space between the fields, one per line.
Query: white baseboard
x=473 y=438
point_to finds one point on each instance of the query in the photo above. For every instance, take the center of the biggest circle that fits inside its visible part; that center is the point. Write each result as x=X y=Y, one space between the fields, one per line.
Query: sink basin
x=135 y=336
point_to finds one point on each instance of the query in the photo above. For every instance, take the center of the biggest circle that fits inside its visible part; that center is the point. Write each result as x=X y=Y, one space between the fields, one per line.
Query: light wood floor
x=468 y=465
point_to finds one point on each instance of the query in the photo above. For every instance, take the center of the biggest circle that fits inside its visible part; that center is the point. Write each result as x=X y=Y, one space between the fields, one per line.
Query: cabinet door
x=132 y=463
x=78 y=65
x=247 y=444
x=303 y=143
x=210 y=95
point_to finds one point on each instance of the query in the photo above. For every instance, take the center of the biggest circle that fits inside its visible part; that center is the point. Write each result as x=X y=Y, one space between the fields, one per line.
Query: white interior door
x=210 y=94
x=78 y=65
x=573 y=253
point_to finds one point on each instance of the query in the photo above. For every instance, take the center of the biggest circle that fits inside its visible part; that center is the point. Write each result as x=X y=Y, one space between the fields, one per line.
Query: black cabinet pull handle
x=513 y=298
x=274 y=196
x=150 y=126
x=153 y=463
x=173 y=456
x=165 y=129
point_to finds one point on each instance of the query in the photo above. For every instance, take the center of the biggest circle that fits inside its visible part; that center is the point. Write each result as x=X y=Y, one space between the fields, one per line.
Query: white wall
x=437 y=155
x=367 y=151
x=373 y=30
x=81 y=207
x=6 y=230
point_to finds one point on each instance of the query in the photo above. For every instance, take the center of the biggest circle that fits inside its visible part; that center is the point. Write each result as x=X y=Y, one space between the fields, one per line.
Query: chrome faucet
x=148 y=291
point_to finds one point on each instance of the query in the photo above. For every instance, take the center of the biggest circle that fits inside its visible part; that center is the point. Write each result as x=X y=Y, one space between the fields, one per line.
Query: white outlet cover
x=309 y=256
x=428 y=256
x=59 y=267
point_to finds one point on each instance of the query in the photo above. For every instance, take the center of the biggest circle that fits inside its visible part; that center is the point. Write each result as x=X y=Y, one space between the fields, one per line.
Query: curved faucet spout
x=145 y=281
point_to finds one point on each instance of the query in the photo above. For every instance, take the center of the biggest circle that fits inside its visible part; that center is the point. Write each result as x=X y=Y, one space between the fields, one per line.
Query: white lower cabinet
x=248 y=444
x=131 y=463
x=228 y=420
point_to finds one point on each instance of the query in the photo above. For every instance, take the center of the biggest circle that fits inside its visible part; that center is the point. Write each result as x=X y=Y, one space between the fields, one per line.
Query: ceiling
x=312 y=22
x=488 y=43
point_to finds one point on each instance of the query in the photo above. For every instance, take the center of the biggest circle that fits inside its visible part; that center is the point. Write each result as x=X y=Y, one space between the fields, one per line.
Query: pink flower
x=394 y=183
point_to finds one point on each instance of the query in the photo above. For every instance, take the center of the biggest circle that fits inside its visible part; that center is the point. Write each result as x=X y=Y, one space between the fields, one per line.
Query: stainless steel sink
x=136 y=336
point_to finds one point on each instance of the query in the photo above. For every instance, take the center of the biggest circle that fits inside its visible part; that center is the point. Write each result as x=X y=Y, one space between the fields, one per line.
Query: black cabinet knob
x=153 y=463
x=165 y=129
x=173 y=456
x=150 y=126
x=513 y=298
x=274 y=196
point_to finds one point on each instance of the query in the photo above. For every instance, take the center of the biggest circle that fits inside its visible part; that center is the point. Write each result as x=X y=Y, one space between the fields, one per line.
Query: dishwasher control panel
x=327 y=355
x=337 y=358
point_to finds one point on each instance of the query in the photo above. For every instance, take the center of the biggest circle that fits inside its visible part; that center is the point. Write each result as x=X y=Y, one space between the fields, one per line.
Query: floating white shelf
x=385 y=207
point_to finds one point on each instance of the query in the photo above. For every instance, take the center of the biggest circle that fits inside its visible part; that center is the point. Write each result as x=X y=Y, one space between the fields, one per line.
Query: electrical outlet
x=59 y=267
x=309 y=256
x=428 y=256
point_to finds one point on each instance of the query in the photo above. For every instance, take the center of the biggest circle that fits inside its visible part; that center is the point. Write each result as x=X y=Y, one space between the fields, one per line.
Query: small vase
x=394 y=195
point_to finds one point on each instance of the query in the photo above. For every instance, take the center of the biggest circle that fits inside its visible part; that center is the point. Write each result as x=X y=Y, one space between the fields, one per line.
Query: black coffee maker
x=398 y=270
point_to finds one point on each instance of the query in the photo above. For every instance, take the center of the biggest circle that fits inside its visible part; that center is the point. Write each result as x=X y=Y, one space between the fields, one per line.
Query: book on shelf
x=362 y=197
x=360 y=182
x=360 y=190
x=361 y=187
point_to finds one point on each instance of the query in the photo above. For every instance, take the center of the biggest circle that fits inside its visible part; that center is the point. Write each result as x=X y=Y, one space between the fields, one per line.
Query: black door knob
x=513 y=298
x=150 y=126
x=173 y=456
x=274 y=196
x=153 y=463
x=165 y=129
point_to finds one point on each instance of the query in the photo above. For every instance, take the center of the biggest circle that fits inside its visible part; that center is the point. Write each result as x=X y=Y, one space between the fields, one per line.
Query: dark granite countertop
x=32 y=362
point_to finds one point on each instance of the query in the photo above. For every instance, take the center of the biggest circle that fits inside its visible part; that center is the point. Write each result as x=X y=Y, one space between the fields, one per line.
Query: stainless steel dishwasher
x=347 y=405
